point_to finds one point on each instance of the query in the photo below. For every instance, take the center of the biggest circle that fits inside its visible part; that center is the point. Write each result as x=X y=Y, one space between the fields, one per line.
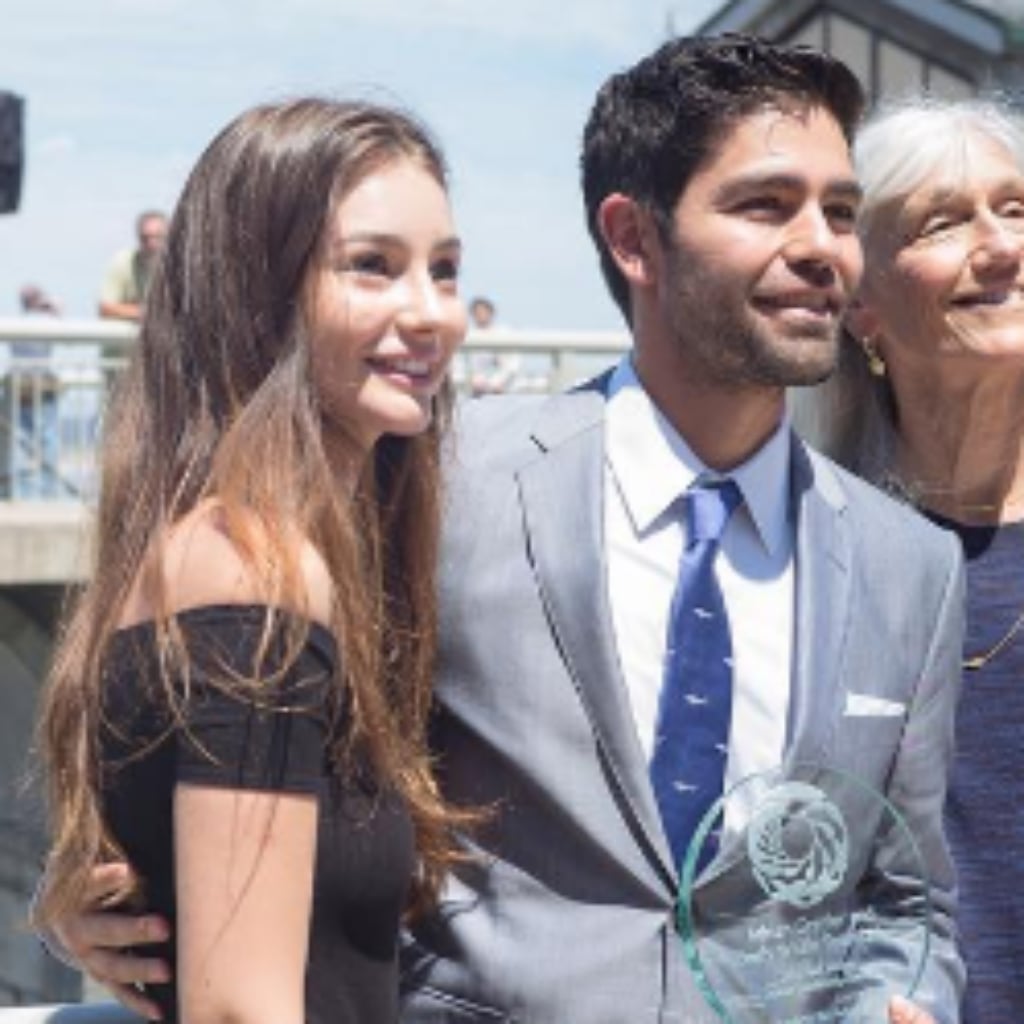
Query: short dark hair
x=655 y=124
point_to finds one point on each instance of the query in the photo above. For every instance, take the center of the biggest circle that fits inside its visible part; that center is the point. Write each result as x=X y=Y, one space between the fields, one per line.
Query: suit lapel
x=823 y=595
x=562 y=494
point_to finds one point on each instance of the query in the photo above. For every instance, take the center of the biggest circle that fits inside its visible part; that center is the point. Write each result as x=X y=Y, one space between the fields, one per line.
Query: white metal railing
x=54 y=375
x=53 y=381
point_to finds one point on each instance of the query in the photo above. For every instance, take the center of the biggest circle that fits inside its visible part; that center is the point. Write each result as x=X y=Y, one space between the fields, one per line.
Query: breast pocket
x=865 y=746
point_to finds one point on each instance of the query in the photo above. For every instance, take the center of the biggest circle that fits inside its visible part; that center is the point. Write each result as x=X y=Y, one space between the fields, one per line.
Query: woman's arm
x=244 y=869
x=244 y=858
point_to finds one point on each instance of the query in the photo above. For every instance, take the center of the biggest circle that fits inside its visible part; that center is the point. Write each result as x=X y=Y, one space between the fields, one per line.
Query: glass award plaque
x=791 y=922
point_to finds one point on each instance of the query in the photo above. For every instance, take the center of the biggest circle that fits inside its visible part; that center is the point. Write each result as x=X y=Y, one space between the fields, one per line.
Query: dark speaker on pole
x=12 y=150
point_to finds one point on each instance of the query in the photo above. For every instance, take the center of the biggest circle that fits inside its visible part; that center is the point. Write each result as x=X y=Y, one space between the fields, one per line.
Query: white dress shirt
x=648 y=467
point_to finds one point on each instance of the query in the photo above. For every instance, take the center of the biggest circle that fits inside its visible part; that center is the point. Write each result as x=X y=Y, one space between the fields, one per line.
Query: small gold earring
x=876 y=364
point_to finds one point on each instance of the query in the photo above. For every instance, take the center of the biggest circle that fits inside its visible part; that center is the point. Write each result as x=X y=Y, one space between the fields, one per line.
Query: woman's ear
x=865 y=327
x=631 y=236
x=862 y=322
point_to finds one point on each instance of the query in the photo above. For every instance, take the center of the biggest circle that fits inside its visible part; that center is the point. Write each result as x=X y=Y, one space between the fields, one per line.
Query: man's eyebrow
x=735 y=188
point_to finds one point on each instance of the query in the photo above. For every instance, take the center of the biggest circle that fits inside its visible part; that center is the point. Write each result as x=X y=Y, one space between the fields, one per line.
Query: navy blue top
x=985 y=810
x=276 y=740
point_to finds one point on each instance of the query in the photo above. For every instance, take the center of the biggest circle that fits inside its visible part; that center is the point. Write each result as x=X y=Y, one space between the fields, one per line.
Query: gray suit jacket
x=565 y=914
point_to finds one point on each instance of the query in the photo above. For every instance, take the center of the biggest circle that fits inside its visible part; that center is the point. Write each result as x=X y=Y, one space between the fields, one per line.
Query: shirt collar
x=652 y=464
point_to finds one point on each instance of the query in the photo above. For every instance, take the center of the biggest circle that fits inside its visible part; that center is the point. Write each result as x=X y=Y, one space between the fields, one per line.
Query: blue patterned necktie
x=692 y=734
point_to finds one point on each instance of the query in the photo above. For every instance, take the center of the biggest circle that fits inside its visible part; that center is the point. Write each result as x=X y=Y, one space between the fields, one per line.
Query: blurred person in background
x=35 y=302
x=29 y=417
x=482 y=313
x=487 y=371
x=123 y=293
x=500 y=370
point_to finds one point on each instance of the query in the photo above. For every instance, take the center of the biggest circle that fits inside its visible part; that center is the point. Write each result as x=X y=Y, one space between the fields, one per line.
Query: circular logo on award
x=797 y=844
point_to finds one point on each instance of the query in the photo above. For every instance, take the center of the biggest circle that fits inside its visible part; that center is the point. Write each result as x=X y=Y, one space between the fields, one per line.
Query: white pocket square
x=865 y=704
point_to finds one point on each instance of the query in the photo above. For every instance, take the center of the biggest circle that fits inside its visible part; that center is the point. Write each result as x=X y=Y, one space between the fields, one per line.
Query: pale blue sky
x=122 y=95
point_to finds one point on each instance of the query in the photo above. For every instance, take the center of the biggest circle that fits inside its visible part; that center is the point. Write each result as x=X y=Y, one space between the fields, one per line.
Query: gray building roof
x=980 y=40
x=1009 y=12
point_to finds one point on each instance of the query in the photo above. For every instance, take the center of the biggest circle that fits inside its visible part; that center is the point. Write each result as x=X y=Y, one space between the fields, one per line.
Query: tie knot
x=708 y=507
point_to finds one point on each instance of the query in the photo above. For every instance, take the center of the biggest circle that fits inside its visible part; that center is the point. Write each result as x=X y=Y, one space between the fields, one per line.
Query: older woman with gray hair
x=929 y=404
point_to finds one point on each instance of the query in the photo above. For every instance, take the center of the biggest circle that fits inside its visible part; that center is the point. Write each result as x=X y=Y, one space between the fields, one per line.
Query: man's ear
x=629 y=232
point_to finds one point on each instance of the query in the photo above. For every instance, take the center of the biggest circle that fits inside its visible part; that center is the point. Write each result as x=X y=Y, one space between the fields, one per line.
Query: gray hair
x=907 y=141
x=853 y=416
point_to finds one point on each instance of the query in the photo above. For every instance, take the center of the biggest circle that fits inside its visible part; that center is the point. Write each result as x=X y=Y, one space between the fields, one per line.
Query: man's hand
x=902 y=1011
x=100 y=940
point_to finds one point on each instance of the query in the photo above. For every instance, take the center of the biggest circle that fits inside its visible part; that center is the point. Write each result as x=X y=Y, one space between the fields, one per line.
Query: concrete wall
x=27 y=618
x=42 y=542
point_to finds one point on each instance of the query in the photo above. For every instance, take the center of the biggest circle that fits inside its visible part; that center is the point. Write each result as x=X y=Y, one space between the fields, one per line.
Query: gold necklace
x=972 y=664
x=914 y=493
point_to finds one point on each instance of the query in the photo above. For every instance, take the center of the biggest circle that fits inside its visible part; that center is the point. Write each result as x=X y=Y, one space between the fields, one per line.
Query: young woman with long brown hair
x=239 y=698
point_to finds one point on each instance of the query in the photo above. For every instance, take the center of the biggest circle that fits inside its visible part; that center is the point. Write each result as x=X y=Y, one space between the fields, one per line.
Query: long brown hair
x=217 y=402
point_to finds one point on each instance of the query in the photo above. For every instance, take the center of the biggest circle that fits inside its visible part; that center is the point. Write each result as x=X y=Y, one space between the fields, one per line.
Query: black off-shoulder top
x=274 y=739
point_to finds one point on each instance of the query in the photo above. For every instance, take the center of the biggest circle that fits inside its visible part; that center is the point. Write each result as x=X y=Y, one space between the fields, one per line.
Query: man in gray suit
x=720 y=195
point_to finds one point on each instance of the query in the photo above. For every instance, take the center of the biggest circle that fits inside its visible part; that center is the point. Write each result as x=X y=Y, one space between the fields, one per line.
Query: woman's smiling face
x=947 y=278
x=385 y=314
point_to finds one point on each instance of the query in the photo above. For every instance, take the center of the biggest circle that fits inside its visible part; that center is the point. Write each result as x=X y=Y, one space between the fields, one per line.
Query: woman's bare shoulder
x=203 y=563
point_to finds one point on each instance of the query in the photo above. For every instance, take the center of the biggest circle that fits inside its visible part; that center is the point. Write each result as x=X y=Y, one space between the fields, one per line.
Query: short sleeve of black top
x=274 y=740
